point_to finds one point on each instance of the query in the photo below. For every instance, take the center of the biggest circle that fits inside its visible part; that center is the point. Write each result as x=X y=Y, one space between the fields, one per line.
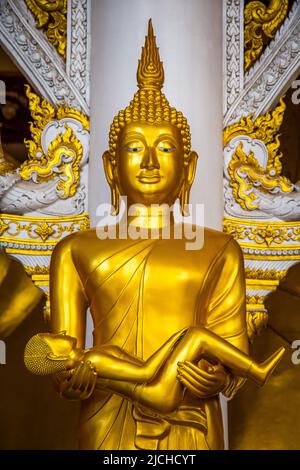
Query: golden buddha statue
x=152 y=300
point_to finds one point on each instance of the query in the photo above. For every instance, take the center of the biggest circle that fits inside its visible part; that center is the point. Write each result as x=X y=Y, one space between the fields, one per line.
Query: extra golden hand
x=204 y=380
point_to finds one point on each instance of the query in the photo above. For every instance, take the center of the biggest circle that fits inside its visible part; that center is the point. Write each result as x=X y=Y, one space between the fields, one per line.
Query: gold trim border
x=50 y=219
x=260 y=223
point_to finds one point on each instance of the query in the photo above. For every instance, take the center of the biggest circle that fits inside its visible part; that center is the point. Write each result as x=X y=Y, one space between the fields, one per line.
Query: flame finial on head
x=150 y=72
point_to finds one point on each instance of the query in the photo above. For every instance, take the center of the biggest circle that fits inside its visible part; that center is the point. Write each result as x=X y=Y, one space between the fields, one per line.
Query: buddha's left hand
x=204 y=380
x=77 y=384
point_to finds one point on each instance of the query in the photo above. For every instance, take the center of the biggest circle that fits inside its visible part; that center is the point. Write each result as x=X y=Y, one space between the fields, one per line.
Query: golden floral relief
x=62 y=160
x=261 y=23
x=265 y=274
x=246 y=174
x=64 y=154
x=54 y=228
x=267 y=234
x=51 y=17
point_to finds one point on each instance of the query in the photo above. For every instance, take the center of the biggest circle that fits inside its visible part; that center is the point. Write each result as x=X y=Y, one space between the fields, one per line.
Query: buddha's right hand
x=78 y=383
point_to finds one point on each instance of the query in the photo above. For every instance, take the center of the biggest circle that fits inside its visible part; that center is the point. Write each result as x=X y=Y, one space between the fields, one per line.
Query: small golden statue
x=169 y=323
x=120 y=372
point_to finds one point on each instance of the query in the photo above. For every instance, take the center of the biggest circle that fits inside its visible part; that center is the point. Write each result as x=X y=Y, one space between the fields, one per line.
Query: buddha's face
x=60 y=344
x=150 y=160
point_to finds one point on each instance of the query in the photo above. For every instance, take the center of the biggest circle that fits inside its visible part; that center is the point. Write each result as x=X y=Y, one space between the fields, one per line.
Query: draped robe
x=140 y=292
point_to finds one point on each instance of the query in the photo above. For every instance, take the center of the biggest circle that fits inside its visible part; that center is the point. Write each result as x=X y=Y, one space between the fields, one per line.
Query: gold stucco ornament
x=244 y=170
x=51 y=17
x=261 y=23
x=62 y=159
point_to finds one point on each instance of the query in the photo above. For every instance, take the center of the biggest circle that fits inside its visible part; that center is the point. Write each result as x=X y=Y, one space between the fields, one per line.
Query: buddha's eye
x=134 y=148
x=166 y=148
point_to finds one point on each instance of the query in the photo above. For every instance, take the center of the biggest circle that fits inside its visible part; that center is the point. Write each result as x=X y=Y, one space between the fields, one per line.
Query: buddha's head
x=149 y=158
x=48 y=353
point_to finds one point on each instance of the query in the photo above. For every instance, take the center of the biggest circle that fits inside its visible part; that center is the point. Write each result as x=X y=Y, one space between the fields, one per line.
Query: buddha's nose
x=150 y=160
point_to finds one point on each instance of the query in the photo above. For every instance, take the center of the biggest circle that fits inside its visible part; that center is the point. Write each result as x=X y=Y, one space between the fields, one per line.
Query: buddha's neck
x=152 y=217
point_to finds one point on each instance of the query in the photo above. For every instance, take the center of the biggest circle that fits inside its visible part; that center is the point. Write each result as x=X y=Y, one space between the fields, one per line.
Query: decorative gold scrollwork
x=3 y=227
x=255 y=299
x=51 y=17
x=264 y=128
x=261 y=23
x=64 y=111
x=64 y=152
x=35 y=229
x=37 y=270
x=265 y=274
x=62 y=160
x=266 y=234
x=244 y=170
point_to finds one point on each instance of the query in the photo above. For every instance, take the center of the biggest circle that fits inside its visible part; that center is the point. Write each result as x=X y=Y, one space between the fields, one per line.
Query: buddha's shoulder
x=88 y=241
x=77 y=239
x=218 y=242
x=214 y=241
x=216 y=236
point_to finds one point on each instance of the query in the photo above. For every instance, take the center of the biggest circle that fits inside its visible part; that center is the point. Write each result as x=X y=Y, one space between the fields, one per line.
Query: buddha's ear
x=191 y=168
x=108 y=167
x=190 y=171
x=111 y=179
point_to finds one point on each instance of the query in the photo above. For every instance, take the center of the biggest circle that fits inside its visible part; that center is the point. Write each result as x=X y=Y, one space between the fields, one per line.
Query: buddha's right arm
x=67 y=297
x=68 y=305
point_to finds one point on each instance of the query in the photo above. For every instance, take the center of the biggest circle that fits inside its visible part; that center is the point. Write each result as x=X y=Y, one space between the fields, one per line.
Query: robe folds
x=141 y=292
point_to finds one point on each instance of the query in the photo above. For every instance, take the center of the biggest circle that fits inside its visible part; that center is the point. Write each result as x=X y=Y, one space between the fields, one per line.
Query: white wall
x=189 y=35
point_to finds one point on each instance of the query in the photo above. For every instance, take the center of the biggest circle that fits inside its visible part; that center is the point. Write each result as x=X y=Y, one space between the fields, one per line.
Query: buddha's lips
x=149 y=177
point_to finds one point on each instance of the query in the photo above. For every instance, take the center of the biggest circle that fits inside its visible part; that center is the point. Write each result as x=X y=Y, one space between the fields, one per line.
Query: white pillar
x=189 y=35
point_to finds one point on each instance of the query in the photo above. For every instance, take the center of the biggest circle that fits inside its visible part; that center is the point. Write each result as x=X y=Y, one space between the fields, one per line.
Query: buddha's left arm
x=225 y=303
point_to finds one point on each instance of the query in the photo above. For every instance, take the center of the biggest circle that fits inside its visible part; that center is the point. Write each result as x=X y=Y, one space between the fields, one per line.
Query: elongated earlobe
x=110 y=177
x=184 y=199
x=190 y=171
x=115 y=199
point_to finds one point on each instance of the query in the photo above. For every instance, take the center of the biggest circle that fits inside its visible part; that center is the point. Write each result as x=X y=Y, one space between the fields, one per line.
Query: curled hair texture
x=36 y=358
